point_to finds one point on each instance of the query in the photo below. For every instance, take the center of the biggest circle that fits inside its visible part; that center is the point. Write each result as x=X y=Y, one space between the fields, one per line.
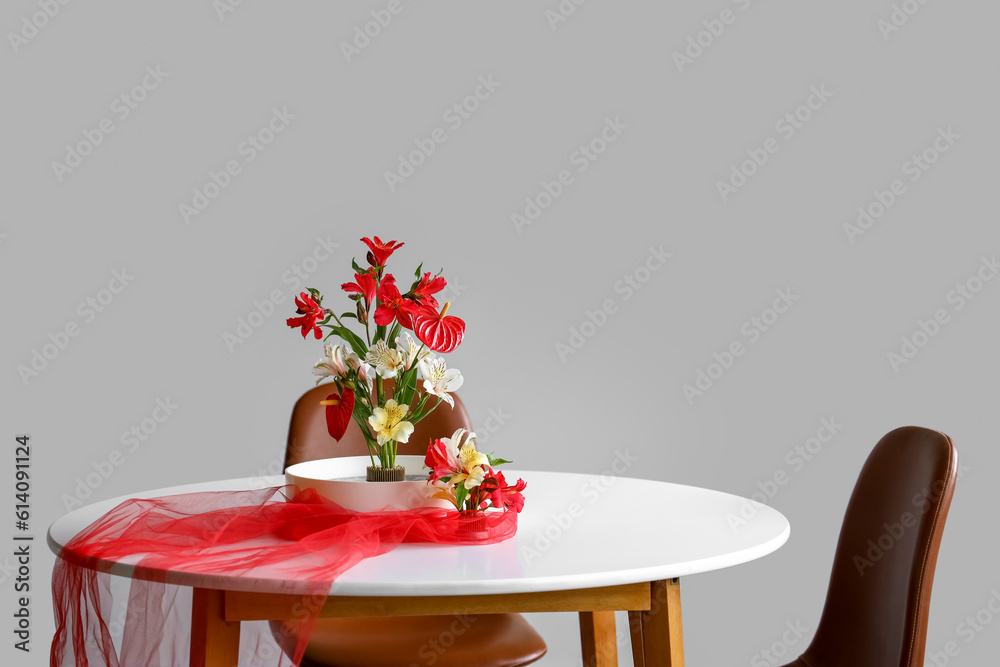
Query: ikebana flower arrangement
x=465 y=476
x=362 y=364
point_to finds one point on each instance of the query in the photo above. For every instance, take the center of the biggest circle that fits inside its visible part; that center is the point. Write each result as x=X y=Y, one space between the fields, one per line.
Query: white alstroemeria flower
x=475 y=477
x=439 y=380
x=367 y=375
x=471 y=457
x=336 y=361
x=386 y=360
x=472 y=464
x=409 y=349
x=388 y=423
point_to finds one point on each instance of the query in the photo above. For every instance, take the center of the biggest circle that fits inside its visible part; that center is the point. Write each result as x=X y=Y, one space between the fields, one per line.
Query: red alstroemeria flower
x=380 y=252
x=364 y=284
x=393 y=305
x=441 y=460
x=338 y=412
x=438 y=331
x=311 y=315
x=508 y=497
x=426 y=287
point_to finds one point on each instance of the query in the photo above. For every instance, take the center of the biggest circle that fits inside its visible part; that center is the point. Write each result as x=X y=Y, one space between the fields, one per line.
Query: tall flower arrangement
x=404 y=334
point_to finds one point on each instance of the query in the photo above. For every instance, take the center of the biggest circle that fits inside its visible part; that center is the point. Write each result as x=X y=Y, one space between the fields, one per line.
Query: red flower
x=440 y=460
x=436 y=331
x=393 y=305
x=365 y=285
x=311 y=314
x=338 y=413
x=427 y=286
x=380 y=252
x=508 y=497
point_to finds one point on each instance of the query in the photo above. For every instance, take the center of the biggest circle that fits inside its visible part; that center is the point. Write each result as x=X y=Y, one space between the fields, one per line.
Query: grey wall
x=885 y=96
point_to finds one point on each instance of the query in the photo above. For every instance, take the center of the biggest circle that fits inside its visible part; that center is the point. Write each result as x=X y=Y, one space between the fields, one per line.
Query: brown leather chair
x=880 y=590
x=489 y=640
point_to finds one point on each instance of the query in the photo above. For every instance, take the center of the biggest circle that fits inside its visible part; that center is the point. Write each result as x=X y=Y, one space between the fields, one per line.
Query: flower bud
x=362 y=313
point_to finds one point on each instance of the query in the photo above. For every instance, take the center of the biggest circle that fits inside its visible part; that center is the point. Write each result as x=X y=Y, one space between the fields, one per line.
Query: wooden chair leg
x=598 y=639
x=215 y=642
x=662 y=638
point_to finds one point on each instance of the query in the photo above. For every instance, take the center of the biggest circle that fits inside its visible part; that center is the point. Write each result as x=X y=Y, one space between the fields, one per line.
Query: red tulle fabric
x=298 y=538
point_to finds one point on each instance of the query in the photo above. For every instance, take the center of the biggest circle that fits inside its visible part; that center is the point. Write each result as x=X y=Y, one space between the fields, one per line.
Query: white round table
x=587 y=543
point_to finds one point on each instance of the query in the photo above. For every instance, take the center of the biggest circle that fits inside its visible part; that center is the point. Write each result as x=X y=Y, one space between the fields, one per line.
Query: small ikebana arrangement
x=465 y=476
x=392 y=375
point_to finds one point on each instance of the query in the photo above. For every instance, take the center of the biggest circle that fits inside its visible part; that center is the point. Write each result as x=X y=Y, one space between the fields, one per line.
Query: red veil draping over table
x=278 y=532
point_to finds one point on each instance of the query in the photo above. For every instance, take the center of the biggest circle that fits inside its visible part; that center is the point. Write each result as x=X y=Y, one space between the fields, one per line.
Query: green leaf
x=461 y=493
x=352 y=339
x=354 y=315
x=354 y=265
x=394 y=334
x=496 y=461
x=417 y=272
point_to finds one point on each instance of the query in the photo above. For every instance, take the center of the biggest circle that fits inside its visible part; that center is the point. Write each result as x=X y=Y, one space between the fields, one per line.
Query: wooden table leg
x=635 y=631
x=598 y=639
x=661 y=641
x=215 y=642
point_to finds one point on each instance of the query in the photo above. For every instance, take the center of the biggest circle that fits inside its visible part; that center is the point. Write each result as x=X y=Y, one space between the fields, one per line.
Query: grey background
x=521 y=291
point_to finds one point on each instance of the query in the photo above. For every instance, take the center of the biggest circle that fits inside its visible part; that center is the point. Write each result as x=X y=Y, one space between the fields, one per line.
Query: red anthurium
x=426 y=287
x=380 y=252
x=338 y=413
x=438 y=331
x=393 y=305
x=311 y=315
x=364 y=284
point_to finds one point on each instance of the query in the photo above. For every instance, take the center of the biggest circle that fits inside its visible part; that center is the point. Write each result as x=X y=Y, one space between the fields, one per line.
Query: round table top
x=576 y=531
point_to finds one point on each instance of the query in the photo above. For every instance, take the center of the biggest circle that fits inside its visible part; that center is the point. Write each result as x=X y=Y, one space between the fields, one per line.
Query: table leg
x=635 y=631
x=215 y=642
x=598 y=640
x=661 y=641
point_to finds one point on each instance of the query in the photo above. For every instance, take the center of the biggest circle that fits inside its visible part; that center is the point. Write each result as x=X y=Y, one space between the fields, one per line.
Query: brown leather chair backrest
x=877 y=606
x=308 y=438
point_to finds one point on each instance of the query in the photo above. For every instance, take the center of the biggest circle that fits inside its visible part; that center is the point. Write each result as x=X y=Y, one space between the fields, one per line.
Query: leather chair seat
x=475 y=640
